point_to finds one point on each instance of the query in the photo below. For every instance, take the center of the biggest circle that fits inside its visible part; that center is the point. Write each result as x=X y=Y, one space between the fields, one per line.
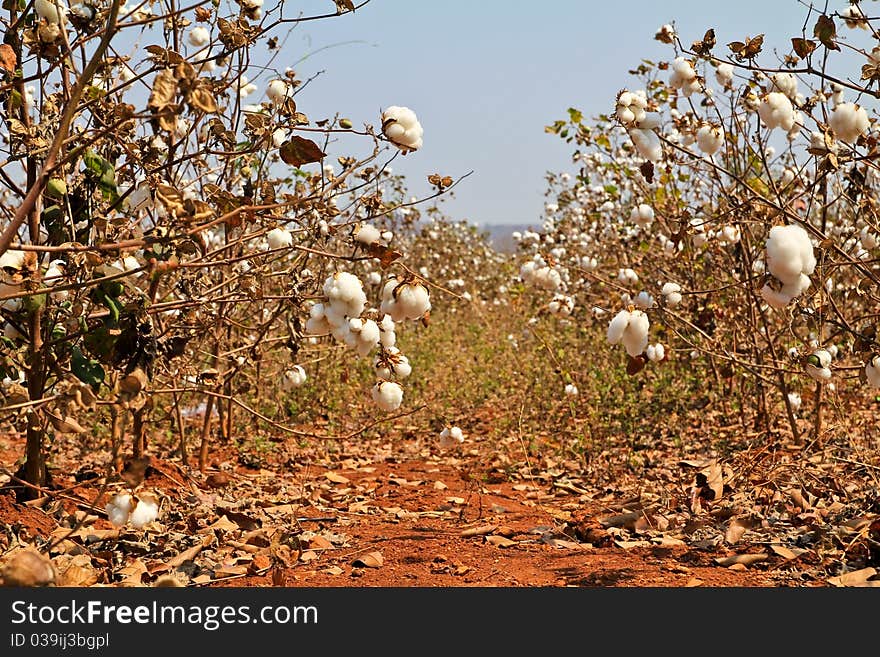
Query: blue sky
x=485 y=77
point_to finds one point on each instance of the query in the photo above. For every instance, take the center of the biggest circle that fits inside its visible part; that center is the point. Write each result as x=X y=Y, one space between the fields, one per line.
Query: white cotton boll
x=617 y=326
x=628 y=276
x=647 y=143
x=644 y=300
x=776 y=299
x=278 y=91
x=387 y=395
x=119 y=508
x=849 y=121
x=571 y=390
x=53 y=11
x=199 y=36
x=367 y=234
x=450 y=437
x=867 y=239
x=710 y=138
x=789 y=253
x=655 y=352
x=387 y=336
x=279 y=136
x=872 y=372
x=854 y=18
x=819 y=144
x=413 y=300
x=635 y=337
x=293 y=378
x=729 y=234
x=401 y=126
x=374 y=278
x=55 y=275
x=561 y=305
x=12 y=259
x=724 y=74
x=387 y=236
x=785 y=83
x=671 y=294
x=642 y=215
x=278 y=238
x=795 y=400
x=370 y=332
x=776 y=111
x=347 y=290
x=683 y=76
x=145 y=511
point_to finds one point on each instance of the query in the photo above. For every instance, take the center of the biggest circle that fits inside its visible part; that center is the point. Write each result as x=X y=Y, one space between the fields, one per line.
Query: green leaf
x=86 y=370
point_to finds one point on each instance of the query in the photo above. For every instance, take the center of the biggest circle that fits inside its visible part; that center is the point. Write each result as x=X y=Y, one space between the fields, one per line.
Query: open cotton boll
x=724 y=74
x=642 y=215
x=293 y=378
x=647 y=143
x=245 y=87
x=278 y=91
x=627 y=276
x=683 y=76
x=789 y=253
x=199 y=36
x=644 y=300
x=387 y=335
x=571 y=390
x=795 y=401
x=388 y=395
x=401 y=126
x=12 y=259
x=854 y=18
x=710 y=138
x=53 y=11
x=817 y=365
x=631 y=329
x=872 y=371
x=450 y=437
x=278 y=238
x=672 y=294
x=119 y=508
x=776 y=111
x=367 y=234
x=345 y=292
x=785 y=83
x=561 y=304
x=849 y=121
x=55 y=275
x=655 y=352
x=145 y=511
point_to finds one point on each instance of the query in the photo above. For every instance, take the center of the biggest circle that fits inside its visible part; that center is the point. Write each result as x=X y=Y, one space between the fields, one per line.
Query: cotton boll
x=450 y=437
x=794 y=399
x=872 y=371
x=724 y=74
x=867 y=239
x=388 y=395
x=817 y=365
x=785 y=83
x=119 y=508
x=849 y=121
x=854 y=18
x=642 y=215
x=53 y=11
x=401 y=126
x=145 y=511
x=631 y=329
x=683 y=76
x=278 y=91
x=12 y=259
x=671 y=294
x=245 y=87
x=561 y=305
x=644 y=300
x=647 y=143
x=293 y=378
x=279 y=238
x=617 y=326
x=199 y=36
x=776 y=111
x=628 y=276
x=729 y=234
x=387 y=335
x=571 y=390
x=710 y=139
x=789 y=253
x=367 y=234
x=655 y=352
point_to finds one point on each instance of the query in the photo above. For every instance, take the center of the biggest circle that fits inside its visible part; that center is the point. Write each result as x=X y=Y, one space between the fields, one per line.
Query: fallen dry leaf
x=27 y=567
x=500 y=541
x=482 y=530
x=855 y=578
x=369 y=560
x=336 y=478
x=742 y=559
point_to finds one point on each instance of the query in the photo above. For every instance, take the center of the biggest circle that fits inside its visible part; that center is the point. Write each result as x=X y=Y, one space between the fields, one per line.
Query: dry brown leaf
x=189 y=554
x=742 y=559
x=221 y=524
x=787 y=553
x=298 y=151
x=736 y=529
x=8 y=61
x=482 y=530
x=320 y=543
x=333 y=570
x=75 y=570
x=218 y=480
x=854 y=578
x=336 y=478
x=625 y=520
x=439 y=485
x=27 y=567
x=500 y=541
x=133 y=573
x=629 y=545
x=369 y=560
x=67 y=424
x=308 y=555
x=232 y=570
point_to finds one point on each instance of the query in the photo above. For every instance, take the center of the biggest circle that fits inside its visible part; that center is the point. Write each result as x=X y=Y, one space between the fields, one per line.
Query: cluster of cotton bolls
x=401 y=126
x=639 y=123
x=671 y=294
x=137 y=511
x=630 y=328
x=683 y=77
x=627 y=276
x=791 y=261
x=537 y=273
